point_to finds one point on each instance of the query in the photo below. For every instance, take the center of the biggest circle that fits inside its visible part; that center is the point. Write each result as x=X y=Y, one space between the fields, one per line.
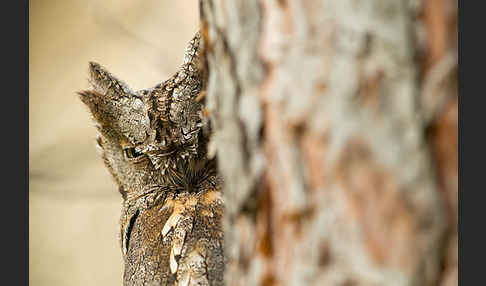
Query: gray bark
x=336 y=134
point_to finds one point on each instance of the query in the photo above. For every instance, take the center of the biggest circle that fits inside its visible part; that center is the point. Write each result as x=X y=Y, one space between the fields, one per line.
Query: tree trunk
x=336 y=134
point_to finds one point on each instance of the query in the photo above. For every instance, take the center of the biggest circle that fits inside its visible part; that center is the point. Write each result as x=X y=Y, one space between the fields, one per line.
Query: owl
x=154 y=143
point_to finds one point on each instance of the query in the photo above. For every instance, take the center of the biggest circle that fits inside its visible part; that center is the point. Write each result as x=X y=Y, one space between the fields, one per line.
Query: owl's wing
x=195 y=227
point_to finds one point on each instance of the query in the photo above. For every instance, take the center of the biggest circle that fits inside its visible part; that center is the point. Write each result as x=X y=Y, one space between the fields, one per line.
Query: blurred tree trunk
x=336 y=133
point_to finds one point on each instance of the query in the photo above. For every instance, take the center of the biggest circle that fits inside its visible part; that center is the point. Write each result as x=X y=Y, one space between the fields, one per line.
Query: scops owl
x=154 y=143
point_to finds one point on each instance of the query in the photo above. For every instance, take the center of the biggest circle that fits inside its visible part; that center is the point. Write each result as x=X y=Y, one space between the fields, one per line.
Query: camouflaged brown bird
x=154 y=143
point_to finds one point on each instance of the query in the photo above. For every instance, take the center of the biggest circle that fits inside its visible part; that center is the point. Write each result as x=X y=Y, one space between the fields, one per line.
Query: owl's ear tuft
x=105 y=83
x=100 y=107
x=119 y=112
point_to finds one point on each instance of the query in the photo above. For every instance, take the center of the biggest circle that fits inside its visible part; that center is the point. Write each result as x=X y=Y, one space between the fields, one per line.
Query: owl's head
x=153 y=138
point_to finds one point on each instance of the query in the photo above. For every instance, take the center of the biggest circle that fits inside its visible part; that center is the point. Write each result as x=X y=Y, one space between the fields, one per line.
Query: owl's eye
x=130 y=153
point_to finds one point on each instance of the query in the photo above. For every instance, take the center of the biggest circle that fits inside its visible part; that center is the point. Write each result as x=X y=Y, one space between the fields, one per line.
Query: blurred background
x=74 y=206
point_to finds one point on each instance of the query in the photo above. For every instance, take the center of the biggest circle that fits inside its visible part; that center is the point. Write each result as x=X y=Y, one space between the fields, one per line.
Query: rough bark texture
x=336 y=134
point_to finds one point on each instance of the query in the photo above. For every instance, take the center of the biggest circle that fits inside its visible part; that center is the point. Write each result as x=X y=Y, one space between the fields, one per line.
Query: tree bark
x=336 y=134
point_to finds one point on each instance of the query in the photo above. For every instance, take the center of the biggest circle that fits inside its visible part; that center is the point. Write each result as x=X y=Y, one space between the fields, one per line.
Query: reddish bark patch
x=324 y=254
x=264 y=223
x=373 y=200
x=283 y=3
x=369 y=89
x=435 y=24
x=268 y=280
x=443 y=139
x=314 y=149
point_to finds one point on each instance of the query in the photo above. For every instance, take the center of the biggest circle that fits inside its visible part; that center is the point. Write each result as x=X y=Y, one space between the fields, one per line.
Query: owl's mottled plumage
x=154 y=142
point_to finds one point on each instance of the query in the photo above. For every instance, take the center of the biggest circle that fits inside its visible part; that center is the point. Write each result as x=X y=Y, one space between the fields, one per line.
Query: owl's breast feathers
x=178 y=242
